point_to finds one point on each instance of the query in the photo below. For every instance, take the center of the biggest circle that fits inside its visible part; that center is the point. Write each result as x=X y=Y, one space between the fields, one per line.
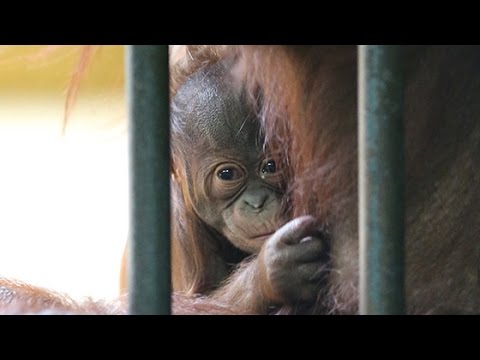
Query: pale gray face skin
x=234 y=187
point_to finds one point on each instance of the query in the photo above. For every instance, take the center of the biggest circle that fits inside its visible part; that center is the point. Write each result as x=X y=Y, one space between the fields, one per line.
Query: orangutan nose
x=256 y=201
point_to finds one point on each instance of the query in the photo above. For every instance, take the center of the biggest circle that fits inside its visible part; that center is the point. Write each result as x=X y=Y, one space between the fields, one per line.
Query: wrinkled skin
x=229 y=180
x=290 y=261
x=236 y=191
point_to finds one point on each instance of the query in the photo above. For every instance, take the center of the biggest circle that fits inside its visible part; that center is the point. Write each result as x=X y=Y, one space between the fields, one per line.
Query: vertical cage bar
x=149 y=140
x=381 y=179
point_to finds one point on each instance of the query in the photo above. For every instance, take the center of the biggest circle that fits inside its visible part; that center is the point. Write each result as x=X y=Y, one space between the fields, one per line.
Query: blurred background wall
x=63 y=197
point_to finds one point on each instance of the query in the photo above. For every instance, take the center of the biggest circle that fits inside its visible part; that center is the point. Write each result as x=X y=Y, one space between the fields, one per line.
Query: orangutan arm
x=288 y=270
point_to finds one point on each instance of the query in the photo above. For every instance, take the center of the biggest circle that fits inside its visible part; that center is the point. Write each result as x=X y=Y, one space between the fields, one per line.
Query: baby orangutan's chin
x=256 y=242
x=250 y=244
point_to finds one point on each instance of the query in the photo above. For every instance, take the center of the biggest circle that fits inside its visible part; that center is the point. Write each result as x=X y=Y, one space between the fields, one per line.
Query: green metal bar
x=149 y=130
x=381 y=180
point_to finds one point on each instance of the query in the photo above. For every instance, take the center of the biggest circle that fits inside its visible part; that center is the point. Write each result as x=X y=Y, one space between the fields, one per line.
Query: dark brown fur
x=310 y=111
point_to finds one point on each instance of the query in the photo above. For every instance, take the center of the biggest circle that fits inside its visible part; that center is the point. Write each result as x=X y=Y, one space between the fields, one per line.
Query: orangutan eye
x=270 y=167
x=228 y=179
x=228 y=174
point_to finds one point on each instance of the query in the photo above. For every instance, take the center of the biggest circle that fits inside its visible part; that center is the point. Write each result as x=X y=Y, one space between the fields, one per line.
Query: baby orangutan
x=231 y=238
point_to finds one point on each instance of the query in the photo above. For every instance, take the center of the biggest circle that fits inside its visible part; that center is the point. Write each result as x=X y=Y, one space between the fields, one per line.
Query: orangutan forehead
x=211 y=107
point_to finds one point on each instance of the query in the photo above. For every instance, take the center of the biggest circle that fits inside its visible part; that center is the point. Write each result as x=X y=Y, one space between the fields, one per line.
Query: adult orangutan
x=310 y=115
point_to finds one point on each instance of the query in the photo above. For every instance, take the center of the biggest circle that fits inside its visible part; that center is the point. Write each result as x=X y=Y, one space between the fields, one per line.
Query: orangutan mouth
x=264 y=236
